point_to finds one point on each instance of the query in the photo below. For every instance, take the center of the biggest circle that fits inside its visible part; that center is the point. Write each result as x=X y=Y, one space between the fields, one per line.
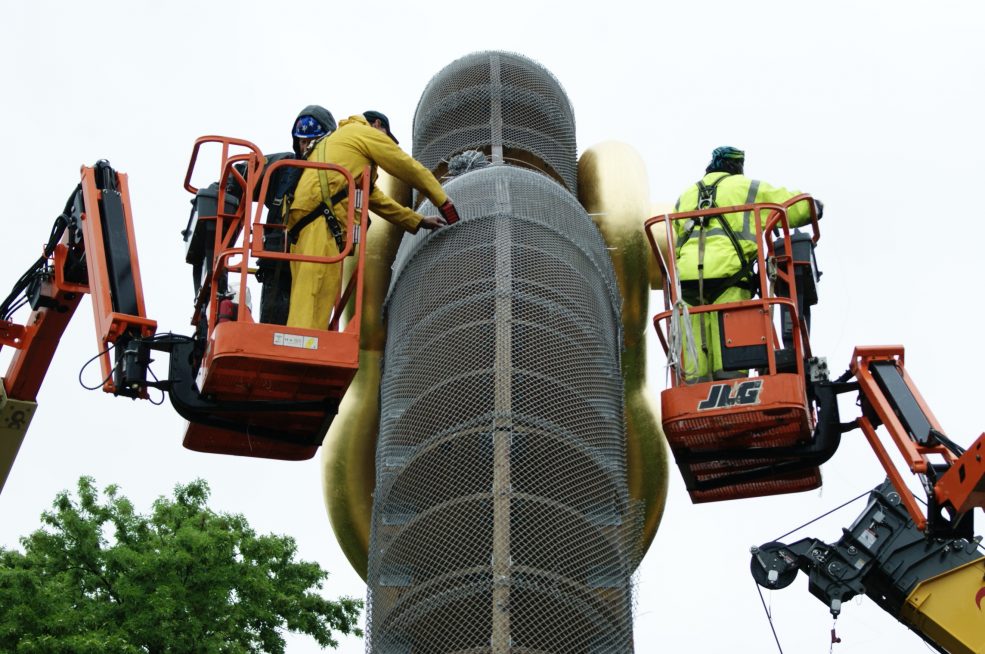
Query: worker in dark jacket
x=360 y=141
x=714 y=259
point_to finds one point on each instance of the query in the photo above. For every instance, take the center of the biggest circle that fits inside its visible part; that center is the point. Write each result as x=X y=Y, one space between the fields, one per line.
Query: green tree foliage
x=99 y=577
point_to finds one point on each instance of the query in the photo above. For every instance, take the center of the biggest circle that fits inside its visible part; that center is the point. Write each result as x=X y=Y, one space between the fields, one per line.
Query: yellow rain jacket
x=720 y=259
x=354 y=145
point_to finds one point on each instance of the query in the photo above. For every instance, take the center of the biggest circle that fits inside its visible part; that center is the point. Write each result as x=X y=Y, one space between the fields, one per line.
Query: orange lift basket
x=736 y=438
x=268 y=390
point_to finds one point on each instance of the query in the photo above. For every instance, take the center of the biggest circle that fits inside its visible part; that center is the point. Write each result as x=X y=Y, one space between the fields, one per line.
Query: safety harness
x=744 y=277
x=284 y=196
x=323 y=209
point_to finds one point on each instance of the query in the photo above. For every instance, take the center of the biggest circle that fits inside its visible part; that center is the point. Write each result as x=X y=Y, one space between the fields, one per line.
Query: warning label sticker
x=295 y=340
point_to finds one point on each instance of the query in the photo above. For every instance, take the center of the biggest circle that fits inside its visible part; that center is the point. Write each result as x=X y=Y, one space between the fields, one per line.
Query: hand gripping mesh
x=501 y=517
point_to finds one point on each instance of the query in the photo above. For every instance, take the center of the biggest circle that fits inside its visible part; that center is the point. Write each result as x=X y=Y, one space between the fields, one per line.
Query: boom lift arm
x=925 y=569
x=91 y=250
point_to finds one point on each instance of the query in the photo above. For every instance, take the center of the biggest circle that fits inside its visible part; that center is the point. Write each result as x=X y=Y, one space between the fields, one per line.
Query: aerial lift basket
x=736 y=435
x=271 y=390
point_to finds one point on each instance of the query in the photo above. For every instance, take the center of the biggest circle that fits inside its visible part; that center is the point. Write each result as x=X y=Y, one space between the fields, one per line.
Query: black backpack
x=275 y=275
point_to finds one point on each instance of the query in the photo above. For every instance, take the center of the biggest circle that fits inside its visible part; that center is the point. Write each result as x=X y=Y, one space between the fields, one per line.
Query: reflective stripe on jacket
x=720 y=259
x=355 y=145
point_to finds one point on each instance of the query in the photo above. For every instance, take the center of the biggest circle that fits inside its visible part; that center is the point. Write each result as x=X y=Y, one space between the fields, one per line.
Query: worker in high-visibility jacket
x=316 y=219
x=715 y=256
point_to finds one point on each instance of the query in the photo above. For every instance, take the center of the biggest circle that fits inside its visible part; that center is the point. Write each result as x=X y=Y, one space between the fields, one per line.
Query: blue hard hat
x=307 y=127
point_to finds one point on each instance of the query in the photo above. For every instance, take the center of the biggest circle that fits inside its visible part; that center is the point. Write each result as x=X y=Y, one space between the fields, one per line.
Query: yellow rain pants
x=708 y=342
x=314 y=286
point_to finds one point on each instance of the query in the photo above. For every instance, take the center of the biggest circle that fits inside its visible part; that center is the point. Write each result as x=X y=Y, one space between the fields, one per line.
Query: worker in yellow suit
x=715 y=256
x=360 y=141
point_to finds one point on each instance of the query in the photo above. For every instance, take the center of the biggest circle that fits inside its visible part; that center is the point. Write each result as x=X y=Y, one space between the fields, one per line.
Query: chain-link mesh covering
x=501 y=516
x=503 y=104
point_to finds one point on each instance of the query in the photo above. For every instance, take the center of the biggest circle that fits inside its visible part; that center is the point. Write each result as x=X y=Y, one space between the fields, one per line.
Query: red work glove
x=449 y=213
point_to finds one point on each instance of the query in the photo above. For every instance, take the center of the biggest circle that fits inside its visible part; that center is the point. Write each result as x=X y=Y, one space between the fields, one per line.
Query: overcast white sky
x=873 y=106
